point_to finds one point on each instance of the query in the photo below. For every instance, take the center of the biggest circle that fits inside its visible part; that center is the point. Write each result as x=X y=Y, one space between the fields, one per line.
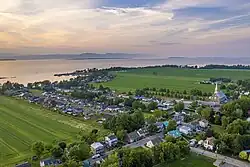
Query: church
x=219 y=96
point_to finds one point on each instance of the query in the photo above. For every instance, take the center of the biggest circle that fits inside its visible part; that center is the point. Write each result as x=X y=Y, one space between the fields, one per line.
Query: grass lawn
x=22 y=123
x=217 y=128
x=36 y=92
x=171 y=78
x=192 y=160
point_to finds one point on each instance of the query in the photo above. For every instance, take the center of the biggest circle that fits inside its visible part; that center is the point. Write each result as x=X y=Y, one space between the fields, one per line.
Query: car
x=96 y=156
x=192 y=143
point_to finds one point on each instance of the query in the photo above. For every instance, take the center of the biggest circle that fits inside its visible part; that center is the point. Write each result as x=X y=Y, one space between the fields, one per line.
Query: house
x=25 y=164
x=185 y=130
x=203 y=123
x=133 y=137
x=154 y=142
x=111 y=140
x=160 y=126
x=174 y=133
x=143 y=132
x=179 y=118
x=50 y=162
x=97 y=148
x=209 y=143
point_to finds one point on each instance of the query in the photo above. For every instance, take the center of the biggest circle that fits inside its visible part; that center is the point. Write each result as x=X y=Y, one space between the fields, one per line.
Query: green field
x=192 y=160
x=22 y=123
x=171 y=78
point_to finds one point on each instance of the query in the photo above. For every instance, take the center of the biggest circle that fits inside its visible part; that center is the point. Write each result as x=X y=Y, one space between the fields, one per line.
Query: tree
x=62 y=145
x=38 y=148
x=243 y=155
x=152 y=106
x=224 y=121
x=152 y=128
x=217 y=120
x=184 y=148
x=179 y=107
x=170 y=139
x=238 y=127
x=151 y=119
x=79 y=152
x=56 y=152
x=158 y=114
x=171 y=125
x=48 y=147
x=121 y=134
x=206 y=113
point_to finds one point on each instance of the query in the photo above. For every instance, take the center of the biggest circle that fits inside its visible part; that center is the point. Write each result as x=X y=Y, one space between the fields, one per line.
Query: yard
x=171 y=78
x=22 y=123
x=192 y=160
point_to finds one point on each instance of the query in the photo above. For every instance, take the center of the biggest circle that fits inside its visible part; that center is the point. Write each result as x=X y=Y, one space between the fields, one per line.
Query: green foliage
x=152 y=128
x=128 y=122
x=120 y=134
x=179 y=107
x=62 y=145
x=152 y=106
x=238 y=127
x=79 y=151
x=206 y=112
x=38 y=148
x=224 y=121
x=56 y=152
x=158 y=114
x=184 y=148
x=170 y=139
x=171 y=125
x=243 y=155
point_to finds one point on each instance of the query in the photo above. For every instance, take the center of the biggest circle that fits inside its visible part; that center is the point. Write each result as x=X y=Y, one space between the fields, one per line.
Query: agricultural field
x=22 y=123
x=171 y=78
x=192 y=160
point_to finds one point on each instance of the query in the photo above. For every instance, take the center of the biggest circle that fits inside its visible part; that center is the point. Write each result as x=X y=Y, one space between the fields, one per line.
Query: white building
x=111 y=140
x=203 y=123
x=185 y=130
x=97 y=148
x=209 y=143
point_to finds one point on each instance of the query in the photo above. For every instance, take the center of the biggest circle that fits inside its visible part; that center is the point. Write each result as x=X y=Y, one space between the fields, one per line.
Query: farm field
x=192 y=160
x=171 y=78
x=22 y=123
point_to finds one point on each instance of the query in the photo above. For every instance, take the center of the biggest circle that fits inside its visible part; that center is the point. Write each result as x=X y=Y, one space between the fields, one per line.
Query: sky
x=155 y=27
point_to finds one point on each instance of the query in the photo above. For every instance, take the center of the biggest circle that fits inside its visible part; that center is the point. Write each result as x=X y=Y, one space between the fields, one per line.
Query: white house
x=154 y=142
x=203 y=123
x=185 y=130
x=97 y=148
x=111 y=140
x=209 y=143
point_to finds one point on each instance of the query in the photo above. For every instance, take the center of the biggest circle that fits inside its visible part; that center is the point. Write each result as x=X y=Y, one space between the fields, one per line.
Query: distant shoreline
x=8 y=60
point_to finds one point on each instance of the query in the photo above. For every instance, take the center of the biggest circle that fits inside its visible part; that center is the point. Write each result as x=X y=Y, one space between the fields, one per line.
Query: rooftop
x=96 y=145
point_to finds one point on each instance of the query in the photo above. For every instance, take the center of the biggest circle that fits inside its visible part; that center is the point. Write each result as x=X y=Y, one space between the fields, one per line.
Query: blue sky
x=156 y=27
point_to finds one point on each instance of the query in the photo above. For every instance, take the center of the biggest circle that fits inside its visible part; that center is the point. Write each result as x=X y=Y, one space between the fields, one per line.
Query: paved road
x=226 y=159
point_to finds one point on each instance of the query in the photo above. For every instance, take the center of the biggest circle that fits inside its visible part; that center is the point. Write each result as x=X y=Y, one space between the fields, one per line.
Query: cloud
x=121 y=26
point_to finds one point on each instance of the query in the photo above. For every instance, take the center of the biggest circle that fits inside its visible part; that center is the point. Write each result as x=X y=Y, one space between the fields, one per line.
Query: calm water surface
x=25 y=71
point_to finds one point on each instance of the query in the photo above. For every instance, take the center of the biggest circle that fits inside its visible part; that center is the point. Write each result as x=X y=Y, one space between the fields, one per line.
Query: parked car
x=96 y=156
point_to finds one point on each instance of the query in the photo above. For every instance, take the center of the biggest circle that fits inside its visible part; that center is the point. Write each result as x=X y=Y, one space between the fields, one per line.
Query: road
x=226 y=159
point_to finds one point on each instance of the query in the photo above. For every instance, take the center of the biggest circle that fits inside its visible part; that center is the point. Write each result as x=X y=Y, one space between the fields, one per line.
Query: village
x=101 y=104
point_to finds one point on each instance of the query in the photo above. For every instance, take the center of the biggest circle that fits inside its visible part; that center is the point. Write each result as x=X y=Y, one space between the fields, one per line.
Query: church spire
x=216 y=88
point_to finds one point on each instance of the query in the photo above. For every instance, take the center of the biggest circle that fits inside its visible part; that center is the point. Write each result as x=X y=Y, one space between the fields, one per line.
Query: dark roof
x=133 y=135
x=51 y=161
x=26 y=164
x=112 y=137
x=156 y=141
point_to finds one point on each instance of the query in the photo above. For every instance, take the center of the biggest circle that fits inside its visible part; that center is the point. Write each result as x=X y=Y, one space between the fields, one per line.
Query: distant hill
x=82 y=56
